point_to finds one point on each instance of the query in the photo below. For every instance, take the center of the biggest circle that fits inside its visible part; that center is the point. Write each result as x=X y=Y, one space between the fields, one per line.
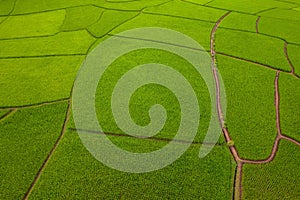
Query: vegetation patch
x=110 y=19
x=288 y=15
x=33 y=6
x=3 y=112
x=251 y=116
x=183 y=9
x=76 y=42
x=278 y=179
x=293 y=53
x=81 y=17
x=40 y=79
x=152 y=94
x=289 y=105
x=26 y=138
x=39 y=24
x=240 y=21
x=44 y=43
x=198 y=30
x=252 y=7
x=288 y=30
x=6 y=7
x=254 y=47
x=130 y=5
x=188 y=177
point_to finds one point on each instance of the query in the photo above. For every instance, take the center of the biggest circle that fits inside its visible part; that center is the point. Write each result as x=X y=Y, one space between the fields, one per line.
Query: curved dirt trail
x=240 y=162
x=289 y=60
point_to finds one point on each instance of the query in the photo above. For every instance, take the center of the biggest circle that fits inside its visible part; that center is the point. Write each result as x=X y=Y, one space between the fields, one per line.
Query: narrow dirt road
x=240 y=162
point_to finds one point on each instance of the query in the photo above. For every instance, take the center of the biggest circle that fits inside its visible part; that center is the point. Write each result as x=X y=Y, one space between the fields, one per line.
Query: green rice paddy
x=43 y=45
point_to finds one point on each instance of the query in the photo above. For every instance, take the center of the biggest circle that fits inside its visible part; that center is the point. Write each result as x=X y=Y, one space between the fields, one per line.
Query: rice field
x=249 y=51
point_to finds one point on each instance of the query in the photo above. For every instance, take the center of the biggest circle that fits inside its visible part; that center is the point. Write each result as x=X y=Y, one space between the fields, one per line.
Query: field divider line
x=290 y=139
x=38 y=175
x=68 y=7
x=157 y=5
x=256 y=63
x=158 y=139
x=217 y=8
x=277 y=103
x=268 y=9
x=257 y=23
x=156 y=41
x=36 y=104
x=115 y=27
x=41 y=56
x=286 y=1
x=10 y=12
x=10 y=112
x=177 y=16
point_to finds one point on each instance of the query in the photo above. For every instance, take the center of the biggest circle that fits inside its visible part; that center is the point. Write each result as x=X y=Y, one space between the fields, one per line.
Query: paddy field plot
x=256 y=49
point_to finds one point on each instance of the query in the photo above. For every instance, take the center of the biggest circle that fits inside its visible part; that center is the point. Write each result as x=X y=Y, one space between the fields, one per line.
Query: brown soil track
x=288 y=59
x=240 y=161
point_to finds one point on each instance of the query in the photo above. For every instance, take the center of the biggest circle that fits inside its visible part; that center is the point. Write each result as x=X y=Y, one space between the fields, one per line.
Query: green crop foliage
x=6 y=7
x=26 y=138
x=3 y=112
x=188 y=177
x=109 y=20
x=288 y=30
x=76 y=42
x=240 y=21
x=40 y=24
x=187 y=10
x=289 y=88
x=32 y=6
x=152 y=94
x=250 y=46
x=41 y=79
x=199 y=2
x=198 y=30
x=81 y=17
x=252 y=7
x=294 y=1
x=2 y=19
x=250 y=106
x=293 y=53
x=130 y=5
x=278 y=179
x=42 y=46
x=289 y=15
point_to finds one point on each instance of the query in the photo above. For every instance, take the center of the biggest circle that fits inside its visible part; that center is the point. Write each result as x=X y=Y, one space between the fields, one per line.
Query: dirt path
x=240 y=162
x=288 y=59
